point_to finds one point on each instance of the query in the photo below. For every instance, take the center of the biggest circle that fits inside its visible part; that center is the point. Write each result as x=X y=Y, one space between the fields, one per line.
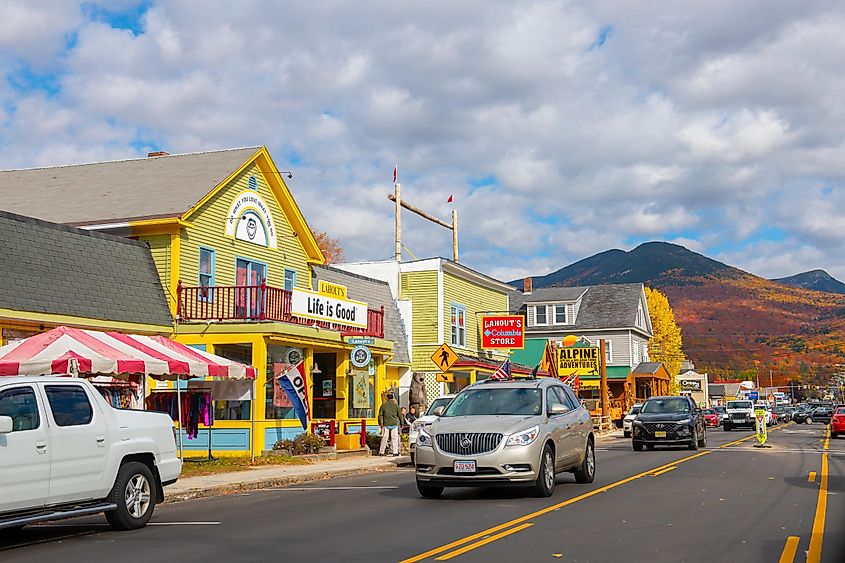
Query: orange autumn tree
x=329 y=246
x=667 y=345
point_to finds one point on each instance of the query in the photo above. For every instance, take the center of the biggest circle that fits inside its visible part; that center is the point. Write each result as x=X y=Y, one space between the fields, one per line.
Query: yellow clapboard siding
x=421 y=289
x=208 y=230
x=477 y=299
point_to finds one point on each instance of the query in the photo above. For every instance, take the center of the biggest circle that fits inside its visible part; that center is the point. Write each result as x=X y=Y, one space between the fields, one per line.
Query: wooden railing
x=257 y=303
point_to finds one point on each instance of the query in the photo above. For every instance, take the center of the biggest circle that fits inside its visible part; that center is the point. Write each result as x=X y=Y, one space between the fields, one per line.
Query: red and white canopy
x=76 y=351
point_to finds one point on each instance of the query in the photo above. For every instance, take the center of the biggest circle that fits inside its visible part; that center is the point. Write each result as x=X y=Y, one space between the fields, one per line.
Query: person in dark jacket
x=389 y=420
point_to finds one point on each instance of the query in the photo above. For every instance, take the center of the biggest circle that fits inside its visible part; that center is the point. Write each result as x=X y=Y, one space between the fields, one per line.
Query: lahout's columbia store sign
x=328 y=305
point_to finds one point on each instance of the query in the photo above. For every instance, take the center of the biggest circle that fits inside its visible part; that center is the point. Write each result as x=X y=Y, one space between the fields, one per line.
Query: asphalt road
x=728 y=502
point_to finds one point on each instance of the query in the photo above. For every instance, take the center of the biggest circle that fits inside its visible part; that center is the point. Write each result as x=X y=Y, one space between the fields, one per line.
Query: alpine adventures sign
x=578 y=360
x=503 y=332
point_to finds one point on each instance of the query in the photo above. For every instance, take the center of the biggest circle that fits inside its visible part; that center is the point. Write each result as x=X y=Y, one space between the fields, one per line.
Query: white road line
x=183 y=524
x=327 y=488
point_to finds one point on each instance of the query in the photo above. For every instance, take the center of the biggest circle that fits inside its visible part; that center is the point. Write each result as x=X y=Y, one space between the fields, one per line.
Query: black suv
x=819 y=414
x=669 y=421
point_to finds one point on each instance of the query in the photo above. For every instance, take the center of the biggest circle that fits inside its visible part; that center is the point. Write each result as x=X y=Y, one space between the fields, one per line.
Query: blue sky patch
x=131 y=18
x=604 y=34
x=25 y=80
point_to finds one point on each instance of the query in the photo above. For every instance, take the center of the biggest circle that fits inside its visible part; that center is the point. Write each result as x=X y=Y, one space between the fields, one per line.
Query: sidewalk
x=276 y=476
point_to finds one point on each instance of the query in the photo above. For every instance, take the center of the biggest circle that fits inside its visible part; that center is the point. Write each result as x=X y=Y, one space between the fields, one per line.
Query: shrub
x=305 y=443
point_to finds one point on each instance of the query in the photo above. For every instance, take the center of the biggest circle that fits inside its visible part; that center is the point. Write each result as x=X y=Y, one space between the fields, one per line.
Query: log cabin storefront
x=244 y=278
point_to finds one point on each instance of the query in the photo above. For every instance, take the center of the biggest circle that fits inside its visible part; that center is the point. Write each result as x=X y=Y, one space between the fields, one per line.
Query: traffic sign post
x=445 y=377
x=444 y=357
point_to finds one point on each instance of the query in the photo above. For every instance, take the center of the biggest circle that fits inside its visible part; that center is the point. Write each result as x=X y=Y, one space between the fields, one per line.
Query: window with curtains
x=206 y=274
x=457 y=321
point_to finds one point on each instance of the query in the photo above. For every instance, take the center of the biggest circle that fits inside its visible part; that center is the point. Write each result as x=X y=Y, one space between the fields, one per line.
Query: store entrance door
x=325 y=385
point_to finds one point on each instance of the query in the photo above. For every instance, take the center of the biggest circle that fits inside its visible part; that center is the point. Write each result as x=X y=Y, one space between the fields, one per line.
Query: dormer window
x=540 y=315
x=560 y=314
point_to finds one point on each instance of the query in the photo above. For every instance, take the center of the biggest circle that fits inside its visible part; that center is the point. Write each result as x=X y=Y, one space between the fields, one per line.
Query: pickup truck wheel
x=134 y=495
x=587 y=471
x=545 y=484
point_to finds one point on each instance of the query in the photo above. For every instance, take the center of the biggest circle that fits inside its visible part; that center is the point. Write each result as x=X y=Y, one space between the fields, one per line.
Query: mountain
x=818 y=280
x=733 y=322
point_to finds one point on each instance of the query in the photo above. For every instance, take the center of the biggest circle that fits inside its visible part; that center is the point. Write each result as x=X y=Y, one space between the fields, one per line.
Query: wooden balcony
x=257 y=303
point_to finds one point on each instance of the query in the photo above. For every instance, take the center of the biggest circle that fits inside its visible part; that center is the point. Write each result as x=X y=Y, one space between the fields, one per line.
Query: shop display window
x=358 y=395
x=277 y=406
x=233 y=410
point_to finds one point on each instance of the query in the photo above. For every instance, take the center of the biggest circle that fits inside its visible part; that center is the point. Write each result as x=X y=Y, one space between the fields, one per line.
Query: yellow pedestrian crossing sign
x=444 y=357
x=760 y=418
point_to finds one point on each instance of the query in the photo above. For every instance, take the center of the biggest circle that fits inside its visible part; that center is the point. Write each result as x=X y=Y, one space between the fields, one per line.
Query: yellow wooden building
x=244 y=279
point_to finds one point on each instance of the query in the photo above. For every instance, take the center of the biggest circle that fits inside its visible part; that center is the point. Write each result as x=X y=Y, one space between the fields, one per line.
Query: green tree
x=667 y=345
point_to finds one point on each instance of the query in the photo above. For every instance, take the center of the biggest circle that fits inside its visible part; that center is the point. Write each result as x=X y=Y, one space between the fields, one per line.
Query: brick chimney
x=157 y=153
x=527 y=286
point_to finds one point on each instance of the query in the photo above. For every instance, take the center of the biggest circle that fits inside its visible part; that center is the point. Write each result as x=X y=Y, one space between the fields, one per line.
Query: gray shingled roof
x=163 y=186
x=647 y=367
x=602 y=307
x=375 y=293
x=49 y=268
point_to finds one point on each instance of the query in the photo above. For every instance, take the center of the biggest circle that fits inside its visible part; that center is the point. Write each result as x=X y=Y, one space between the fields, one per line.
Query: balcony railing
x=257 y=303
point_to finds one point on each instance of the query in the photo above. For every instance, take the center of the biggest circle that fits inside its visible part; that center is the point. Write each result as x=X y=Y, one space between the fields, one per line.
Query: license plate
x=660 y=434
x=464 y=466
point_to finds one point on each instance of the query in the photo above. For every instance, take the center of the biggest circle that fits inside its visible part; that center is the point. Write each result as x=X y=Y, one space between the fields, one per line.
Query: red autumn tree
x=331 y=248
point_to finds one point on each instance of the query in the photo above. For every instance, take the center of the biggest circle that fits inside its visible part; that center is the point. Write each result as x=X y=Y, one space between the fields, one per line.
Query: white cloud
x=707 y=123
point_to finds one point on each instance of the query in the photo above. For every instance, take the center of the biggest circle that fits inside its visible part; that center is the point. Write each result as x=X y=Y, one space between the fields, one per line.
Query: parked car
x=819 y=414
x=740 y=413
x=434 y=410
x=711 y=418
x=837 y=422
x=722 y=411
x=65 y=452
x=627 y=422
x=800 y=415
x=771 y=418
x=503 y=432
x=669 y=421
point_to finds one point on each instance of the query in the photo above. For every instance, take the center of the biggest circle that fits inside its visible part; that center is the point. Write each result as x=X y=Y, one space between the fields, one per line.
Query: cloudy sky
x=561 y=128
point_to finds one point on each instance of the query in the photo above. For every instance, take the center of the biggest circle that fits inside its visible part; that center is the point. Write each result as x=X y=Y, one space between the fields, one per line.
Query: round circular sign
x=294 y=356
x=360 y=356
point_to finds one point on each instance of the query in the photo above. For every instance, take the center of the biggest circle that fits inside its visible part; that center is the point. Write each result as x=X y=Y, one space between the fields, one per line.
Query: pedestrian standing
x=389 y=420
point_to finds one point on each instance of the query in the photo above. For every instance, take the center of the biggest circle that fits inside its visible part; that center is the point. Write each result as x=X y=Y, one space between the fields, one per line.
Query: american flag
x=504 y=371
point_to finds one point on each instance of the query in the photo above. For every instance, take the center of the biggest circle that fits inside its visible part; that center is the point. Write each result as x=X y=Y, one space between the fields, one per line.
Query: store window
x=290 y=279
x=457 y=317
x=229 y=409
x=206 y=273
x=277 y=405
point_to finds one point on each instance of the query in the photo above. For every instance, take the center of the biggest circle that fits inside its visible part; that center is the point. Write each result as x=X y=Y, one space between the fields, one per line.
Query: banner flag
x=293 y=383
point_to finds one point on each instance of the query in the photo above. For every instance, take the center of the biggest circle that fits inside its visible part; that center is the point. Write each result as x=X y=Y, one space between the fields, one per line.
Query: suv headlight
x=424 y=440
x=524 y=438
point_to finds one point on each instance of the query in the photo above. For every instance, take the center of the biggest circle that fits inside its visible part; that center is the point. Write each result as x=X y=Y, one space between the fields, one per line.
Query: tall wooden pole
x=455 y=234
x=398 y=254
x=605 y=400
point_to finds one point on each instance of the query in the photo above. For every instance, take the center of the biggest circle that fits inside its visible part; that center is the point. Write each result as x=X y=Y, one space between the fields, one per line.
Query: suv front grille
x=653 y=427
x=468 y=443
x=739 y=416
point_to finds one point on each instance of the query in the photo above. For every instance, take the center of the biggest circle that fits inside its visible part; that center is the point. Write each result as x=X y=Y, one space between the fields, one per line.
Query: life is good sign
x=503 y=332
x=312 y=305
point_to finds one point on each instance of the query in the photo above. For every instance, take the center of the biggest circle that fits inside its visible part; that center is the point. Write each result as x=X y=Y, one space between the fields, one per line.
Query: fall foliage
x=329 y=246
x=667 y=344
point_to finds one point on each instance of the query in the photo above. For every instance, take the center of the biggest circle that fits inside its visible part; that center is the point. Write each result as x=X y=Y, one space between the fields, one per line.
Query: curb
x=243 y=486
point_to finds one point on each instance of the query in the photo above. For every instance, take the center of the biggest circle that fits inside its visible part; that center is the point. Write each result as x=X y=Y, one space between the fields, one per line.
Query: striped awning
x=74 y=351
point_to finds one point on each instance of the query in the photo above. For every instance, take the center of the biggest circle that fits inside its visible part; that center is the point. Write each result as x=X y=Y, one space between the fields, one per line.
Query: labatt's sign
x=578 y=360
x=329 y=304
x=503 y=332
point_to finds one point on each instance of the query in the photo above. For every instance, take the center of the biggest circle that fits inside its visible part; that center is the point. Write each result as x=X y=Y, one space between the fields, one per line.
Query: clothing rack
x=178 y=393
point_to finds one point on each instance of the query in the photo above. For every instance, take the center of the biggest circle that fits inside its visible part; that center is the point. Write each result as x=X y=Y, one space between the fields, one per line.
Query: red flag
x=395 y=170
x=449 y=200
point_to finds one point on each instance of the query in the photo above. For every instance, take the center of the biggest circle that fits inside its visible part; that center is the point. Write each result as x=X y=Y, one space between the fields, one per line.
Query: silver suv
x=497 y=432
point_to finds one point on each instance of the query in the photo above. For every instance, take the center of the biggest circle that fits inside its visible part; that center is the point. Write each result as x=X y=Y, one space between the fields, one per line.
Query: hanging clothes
x=124 y=396
x=197 y=408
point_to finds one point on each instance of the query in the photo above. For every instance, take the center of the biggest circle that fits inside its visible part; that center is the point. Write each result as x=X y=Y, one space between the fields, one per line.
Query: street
x=727 y=502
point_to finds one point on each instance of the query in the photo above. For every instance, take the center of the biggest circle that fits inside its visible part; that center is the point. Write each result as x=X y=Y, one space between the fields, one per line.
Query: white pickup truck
x=65 y=452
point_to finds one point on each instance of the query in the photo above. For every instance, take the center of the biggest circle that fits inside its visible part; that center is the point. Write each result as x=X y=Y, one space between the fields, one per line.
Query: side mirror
x=6 y=425
x=439 y=411
x=558 y=409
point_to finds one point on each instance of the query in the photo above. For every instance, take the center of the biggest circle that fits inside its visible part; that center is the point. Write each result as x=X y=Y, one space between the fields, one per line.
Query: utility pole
x=605 y=400
x=397 y=197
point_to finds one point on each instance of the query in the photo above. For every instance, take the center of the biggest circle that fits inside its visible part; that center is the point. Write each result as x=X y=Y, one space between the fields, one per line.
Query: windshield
x=513 y=401
x=441 y=402
x=670 y=405
x=739 y=404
